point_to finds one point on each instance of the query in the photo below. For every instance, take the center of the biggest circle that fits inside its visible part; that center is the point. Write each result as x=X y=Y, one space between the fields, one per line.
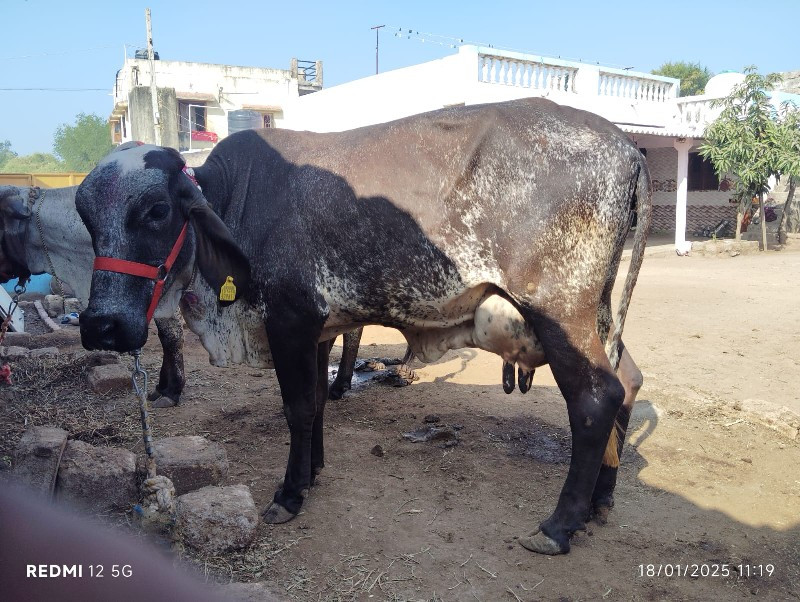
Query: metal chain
x=42 y=194
x=141 y=393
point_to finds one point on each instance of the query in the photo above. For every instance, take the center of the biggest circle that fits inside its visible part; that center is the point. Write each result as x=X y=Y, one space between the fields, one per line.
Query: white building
x=668 y=129
x=198 y=101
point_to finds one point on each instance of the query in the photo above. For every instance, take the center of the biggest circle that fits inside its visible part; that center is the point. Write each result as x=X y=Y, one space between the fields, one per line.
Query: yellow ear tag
x=228 y=290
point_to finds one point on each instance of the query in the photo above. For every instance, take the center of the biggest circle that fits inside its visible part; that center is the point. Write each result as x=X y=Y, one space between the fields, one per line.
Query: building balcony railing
x=526 y=73
x=696 y=112
x=507 y=68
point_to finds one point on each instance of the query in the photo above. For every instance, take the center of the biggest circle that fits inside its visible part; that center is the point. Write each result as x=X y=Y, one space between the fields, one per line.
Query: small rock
x=53 y=305
x=37 y=457
x=747 y=460
x=45 y=352
x=377 y=451
x=14 y=353
x=216 y=519
x=191 y=462
x=71 y=304
x=97 y=478
x=111 y=378
x=431 y=418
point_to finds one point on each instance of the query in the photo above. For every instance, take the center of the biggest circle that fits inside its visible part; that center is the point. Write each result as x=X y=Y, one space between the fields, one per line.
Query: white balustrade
x=635 y=87
x=523 y=73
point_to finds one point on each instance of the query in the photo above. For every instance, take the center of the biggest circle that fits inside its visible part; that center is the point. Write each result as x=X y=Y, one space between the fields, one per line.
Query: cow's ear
x=223 y=265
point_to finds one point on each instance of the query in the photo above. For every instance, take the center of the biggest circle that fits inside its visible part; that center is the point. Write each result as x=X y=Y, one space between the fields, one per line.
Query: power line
x=53 y=89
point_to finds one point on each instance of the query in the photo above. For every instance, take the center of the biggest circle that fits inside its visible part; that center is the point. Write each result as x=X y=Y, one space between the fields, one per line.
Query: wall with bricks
x=663 y=164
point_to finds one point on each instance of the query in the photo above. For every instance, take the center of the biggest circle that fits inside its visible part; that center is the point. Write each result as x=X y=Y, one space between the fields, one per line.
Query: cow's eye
x=158 y=211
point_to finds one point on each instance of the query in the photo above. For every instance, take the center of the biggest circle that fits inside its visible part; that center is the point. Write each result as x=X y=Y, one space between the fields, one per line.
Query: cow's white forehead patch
x=130 y=158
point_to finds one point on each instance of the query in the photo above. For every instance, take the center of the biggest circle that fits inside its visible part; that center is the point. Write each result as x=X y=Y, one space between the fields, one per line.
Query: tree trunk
x=763 y=221
x=790 y=218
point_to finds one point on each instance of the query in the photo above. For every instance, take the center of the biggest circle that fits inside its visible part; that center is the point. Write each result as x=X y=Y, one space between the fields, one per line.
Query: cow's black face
x=130 y=204
x=134 y=205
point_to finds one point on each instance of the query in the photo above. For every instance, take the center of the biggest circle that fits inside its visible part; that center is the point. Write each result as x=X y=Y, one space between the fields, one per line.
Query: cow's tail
x=643 y=204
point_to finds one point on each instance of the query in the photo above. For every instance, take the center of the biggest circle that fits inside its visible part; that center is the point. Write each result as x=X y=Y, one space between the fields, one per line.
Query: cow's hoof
x=542 y=544
x=277 y=514
x=600 y=515
x=157 y=400
x=337 y=390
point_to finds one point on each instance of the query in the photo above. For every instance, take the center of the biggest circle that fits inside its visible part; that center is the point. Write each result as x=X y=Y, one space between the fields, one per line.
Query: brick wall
x=697 y=216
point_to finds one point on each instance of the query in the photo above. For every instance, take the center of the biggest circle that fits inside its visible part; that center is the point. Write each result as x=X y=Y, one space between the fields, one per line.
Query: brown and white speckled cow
x=509 y=221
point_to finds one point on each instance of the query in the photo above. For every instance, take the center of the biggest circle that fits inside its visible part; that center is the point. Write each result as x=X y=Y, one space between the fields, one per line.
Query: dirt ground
x=702 y=481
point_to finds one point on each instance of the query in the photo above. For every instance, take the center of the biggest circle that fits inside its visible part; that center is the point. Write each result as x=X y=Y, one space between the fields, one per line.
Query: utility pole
x=377 y=29
x=153 y=89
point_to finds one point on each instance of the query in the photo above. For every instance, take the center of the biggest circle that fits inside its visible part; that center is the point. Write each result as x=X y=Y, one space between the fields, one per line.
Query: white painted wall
x=455 y=80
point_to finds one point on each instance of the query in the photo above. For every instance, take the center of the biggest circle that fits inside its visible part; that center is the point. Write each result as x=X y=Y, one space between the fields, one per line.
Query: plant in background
x=693 y=76
x=743 y=141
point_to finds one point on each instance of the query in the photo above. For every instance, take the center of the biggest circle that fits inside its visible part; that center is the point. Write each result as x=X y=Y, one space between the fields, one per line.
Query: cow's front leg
x=594 y=396
x=603 y=497
x=295 y=354
x=172 y=377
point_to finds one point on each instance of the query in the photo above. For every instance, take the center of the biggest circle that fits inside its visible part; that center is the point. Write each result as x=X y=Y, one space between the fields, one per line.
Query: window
x=191 y=118
x=268 y=120
x=701 y=174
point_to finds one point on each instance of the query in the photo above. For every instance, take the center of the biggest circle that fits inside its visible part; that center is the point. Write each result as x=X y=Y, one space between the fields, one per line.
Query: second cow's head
x=135 y=204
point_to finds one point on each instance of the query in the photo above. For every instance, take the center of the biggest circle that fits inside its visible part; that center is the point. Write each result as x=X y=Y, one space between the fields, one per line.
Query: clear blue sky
x=84 y=39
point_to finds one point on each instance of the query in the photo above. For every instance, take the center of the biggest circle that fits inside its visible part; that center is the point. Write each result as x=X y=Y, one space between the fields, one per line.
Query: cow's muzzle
x=113 y=331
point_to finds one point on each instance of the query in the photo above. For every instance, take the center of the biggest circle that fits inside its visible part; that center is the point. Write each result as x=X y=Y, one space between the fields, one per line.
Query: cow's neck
x=56 y=229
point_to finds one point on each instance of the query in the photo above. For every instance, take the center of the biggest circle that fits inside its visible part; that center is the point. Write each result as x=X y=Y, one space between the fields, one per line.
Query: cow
x=61 y=246
x=509 y=220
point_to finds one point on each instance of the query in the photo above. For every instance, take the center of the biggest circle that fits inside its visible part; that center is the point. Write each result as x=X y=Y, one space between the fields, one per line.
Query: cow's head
x=135 y=204
x=15 y=215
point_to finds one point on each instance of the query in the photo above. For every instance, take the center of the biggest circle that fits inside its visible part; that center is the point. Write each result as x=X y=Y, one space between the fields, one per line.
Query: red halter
x=159 y=274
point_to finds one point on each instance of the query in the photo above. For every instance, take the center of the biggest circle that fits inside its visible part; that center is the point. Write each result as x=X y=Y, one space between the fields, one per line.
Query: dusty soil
x=702 y=482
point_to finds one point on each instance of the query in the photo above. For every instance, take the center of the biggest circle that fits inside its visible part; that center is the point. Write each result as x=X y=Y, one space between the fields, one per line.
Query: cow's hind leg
x=317 y=443
x=603 y=497
x=594 y=396
x=294 y=352
x=344 y=377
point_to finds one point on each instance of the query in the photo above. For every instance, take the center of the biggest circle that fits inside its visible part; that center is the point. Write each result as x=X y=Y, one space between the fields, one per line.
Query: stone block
x=110 y=378
x=191 y=462
x=64 y=337
x=14 y=353
x=18 y=339
x=216 y=519
x=97 y=479
x=37 y=457
x=44 y=352
x=102 y=358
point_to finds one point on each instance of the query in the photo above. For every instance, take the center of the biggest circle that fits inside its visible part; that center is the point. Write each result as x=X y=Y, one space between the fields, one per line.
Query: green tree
x=693 y=76
x=82 y=145
x=743 y=140
x=6 y=153
x=787 y=145
x=33 y=163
